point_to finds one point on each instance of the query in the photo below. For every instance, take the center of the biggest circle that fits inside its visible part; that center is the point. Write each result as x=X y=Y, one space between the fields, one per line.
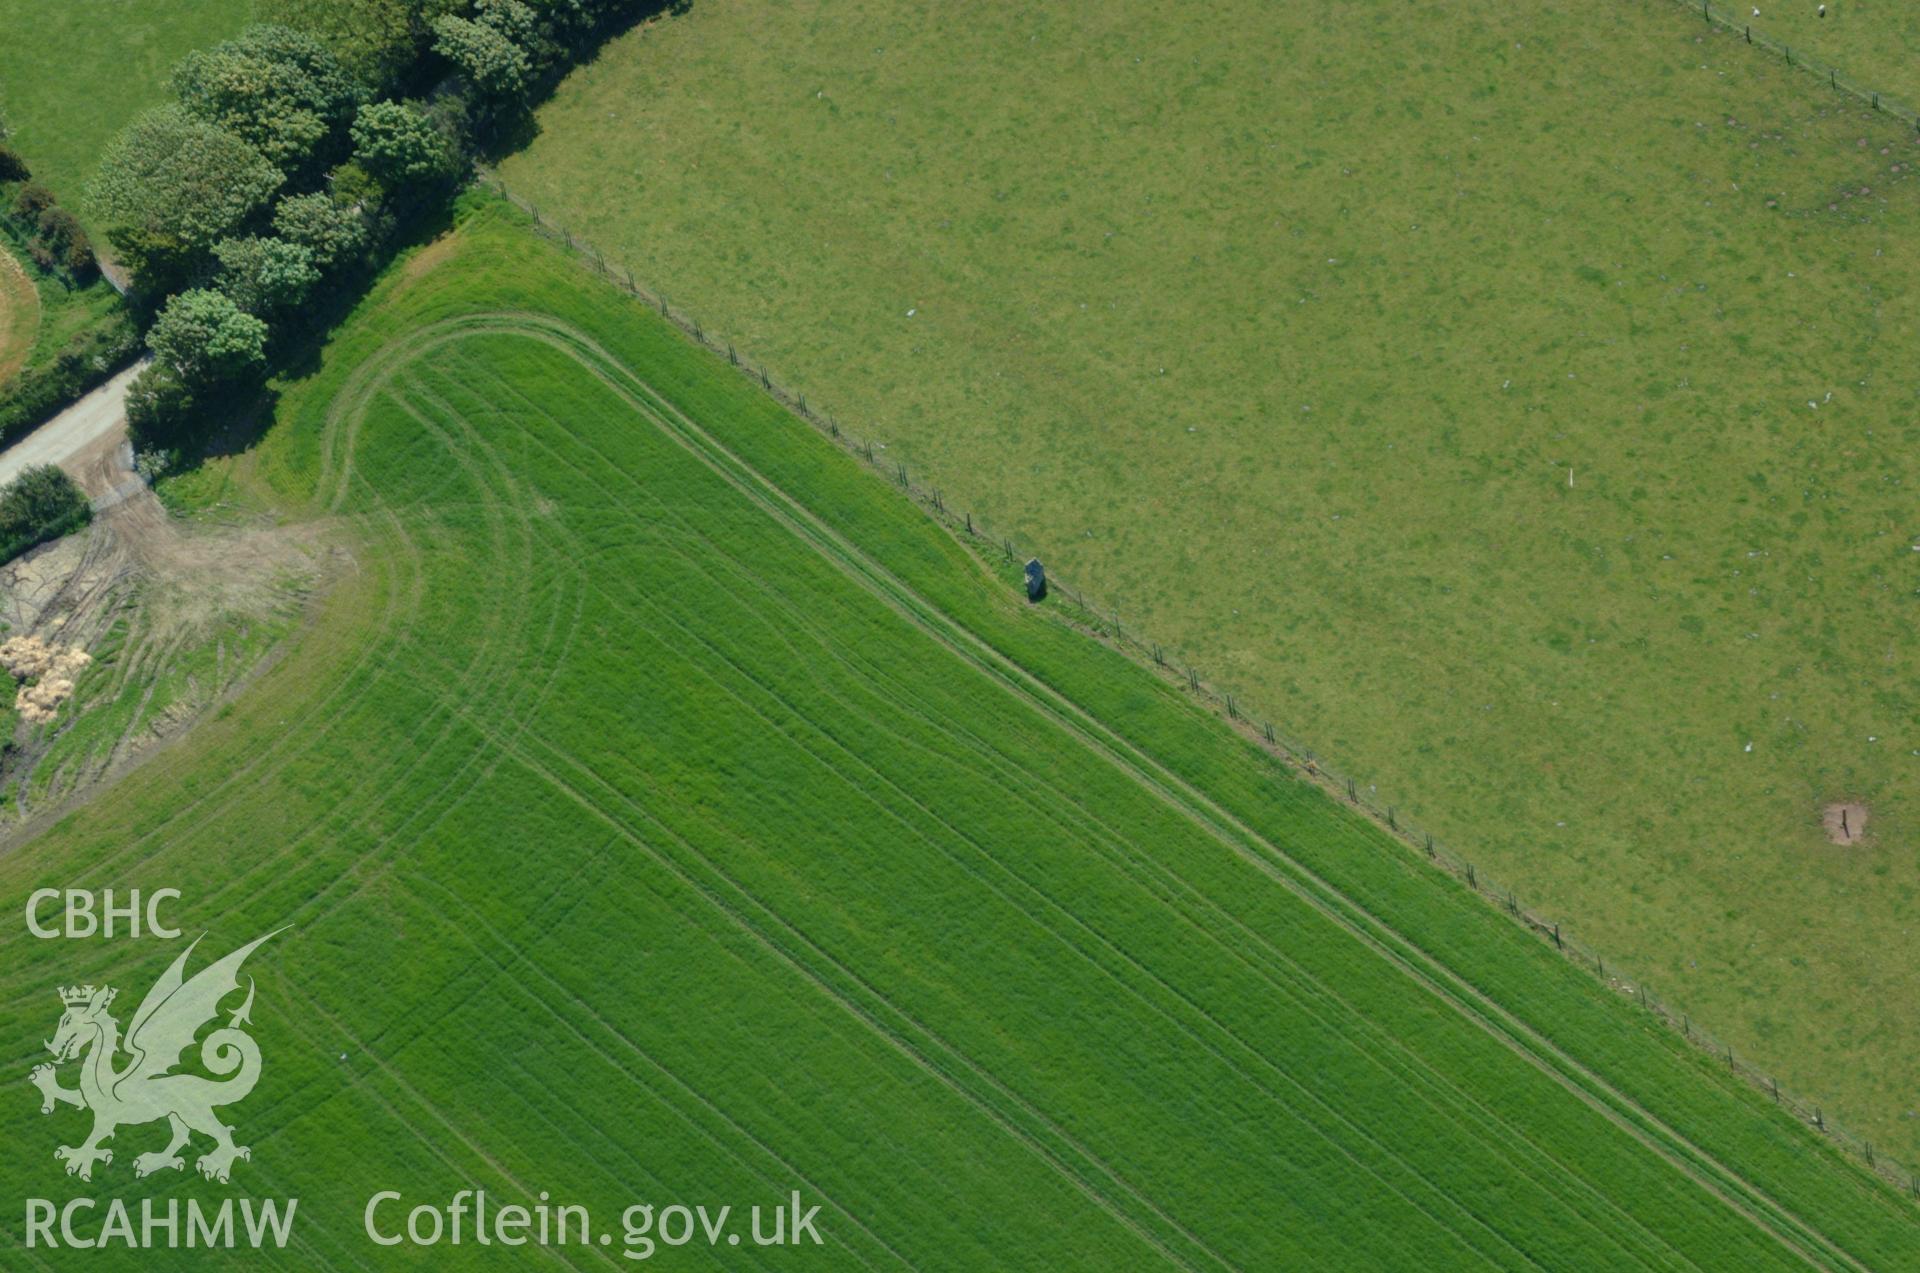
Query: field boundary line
x=818 y=743
x=1103 y=623
x=1731 y=23
x=1316 y=1005
x=1322 y=998
x=1446 y=985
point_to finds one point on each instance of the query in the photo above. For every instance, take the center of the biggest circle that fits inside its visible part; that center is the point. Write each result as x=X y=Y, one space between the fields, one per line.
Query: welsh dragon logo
x=145 y=1089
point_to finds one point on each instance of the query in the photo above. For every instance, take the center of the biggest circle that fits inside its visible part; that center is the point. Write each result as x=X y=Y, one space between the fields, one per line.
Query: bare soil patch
x=151 y=588
x=1845 y=821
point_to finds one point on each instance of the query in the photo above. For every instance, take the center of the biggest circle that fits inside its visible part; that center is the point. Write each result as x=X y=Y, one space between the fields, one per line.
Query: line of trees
x=56 y=241
x=288 y=162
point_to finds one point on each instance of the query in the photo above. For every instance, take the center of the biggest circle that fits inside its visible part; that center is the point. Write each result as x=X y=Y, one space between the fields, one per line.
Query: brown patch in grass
x=425 y=260
x=19 y=315
x=1845 y=822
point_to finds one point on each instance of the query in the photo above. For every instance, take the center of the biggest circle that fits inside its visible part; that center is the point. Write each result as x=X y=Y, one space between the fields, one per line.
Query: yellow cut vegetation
x=47 y=672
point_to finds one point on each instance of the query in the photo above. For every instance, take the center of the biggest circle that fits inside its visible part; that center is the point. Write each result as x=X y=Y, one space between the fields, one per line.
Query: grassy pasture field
x=1513 y=403
x=72 y=74
x=666 y=810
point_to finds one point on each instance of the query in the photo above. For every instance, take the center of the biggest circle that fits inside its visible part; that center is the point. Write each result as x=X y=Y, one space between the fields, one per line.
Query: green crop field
x=666 y=810
x=1513 y=403
x=72 y=73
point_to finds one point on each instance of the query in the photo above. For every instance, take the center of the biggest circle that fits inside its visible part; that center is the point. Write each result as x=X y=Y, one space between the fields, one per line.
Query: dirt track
x=87 y=421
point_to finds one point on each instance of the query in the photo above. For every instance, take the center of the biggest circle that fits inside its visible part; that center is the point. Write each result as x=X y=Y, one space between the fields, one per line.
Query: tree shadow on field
x=237 y=423
x=517 y=129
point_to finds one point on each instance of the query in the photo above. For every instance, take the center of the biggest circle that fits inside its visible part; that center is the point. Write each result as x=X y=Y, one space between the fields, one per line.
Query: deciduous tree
x=329 y=231
x=265 y=274
x=377 y=41
x=40 y=503
x=204 y=337
x=278 y=89
x=400 y=146
x=497 y=66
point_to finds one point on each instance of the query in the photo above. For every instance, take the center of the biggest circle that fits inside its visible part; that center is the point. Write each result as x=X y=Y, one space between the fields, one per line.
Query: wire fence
x=1105 y=623
x=1739 y=23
